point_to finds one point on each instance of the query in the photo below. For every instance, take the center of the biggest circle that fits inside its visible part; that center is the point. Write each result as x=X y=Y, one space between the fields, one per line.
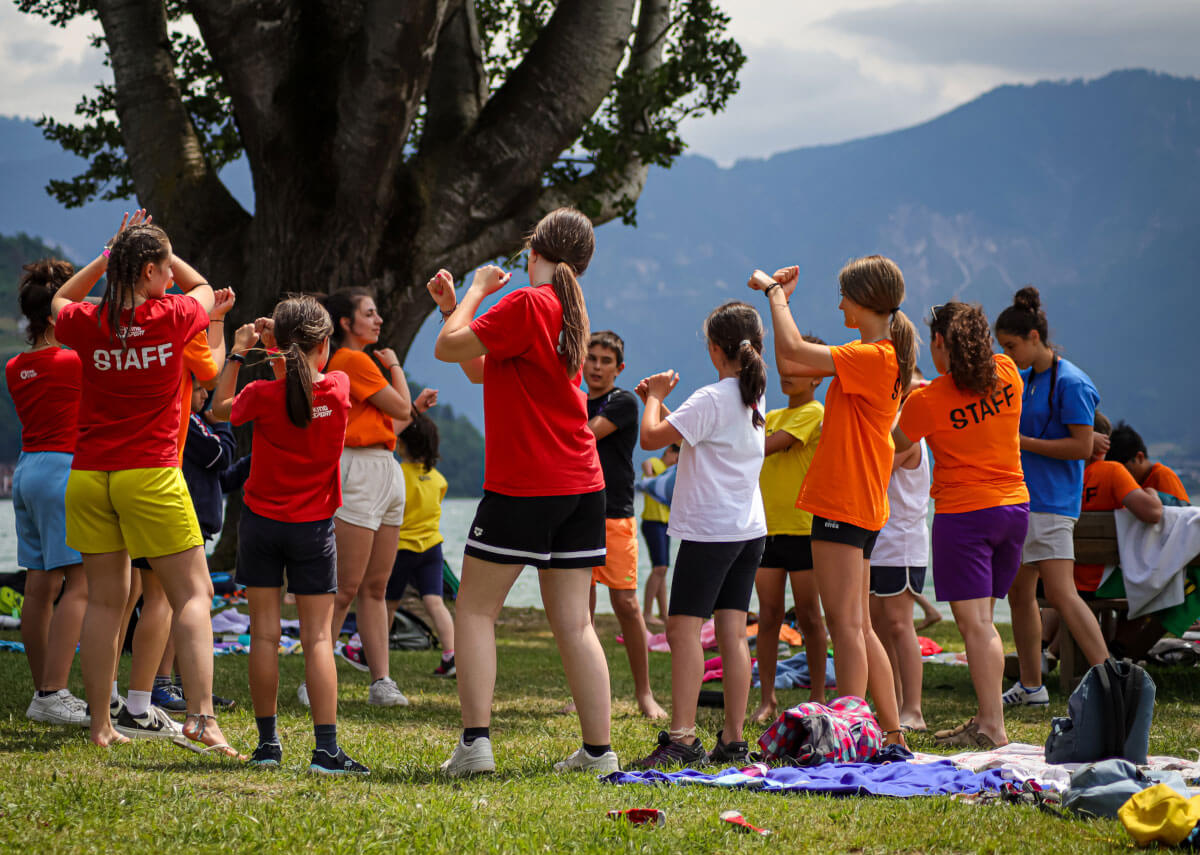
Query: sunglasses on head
x=933 y=312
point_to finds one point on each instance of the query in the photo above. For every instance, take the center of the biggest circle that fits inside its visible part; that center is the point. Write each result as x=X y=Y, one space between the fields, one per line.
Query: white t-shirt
x=904 y=541
x=716 y=490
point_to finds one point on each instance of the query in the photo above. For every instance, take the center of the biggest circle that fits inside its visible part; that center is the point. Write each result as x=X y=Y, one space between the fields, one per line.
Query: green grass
x=60 y=794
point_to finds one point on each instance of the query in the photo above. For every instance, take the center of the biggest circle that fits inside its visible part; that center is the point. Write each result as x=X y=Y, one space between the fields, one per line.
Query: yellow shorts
x=620 y=565
x=146 y=511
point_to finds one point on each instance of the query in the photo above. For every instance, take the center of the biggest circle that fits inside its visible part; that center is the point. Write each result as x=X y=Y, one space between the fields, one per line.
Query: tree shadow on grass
x=40 y=740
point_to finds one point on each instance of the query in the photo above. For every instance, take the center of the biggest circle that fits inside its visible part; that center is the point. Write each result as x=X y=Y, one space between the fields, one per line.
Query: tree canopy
x=384 y=139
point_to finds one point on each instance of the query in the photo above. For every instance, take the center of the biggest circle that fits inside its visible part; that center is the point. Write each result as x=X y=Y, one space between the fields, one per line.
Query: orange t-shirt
x=1106 y=483
x=975 y=440
x=849 y=475
x=1164 y=479
x=197 y=359
x=368 y=424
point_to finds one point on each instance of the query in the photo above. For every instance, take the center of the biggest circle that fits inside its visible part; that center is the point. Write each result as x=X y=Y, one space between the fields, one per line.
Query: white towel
x=1153 y=557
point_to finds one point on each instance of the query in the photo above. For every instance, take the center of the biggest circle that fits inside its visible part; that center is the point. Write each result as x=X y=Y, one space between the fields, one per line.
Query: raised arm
x=457 y=342
x=793 y=355
x=222 y=402
x=75 y=289
x=656 y=431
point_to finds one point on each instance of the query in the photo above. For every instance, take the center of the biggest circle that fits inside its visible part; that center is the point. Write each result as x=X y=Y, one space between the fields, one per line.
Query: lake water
x=456 y=520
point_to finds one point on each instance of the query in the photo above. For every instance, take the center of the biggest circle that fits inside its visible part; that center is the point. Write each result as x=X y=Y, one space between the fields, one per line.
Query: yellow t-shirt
x=423 y=494
x=654 y=510
x=783 y=472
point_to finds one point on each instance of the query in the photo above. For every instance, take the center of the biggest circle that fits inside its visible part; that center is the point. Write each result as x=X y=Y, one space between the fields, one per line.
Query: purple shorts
x=977 y=554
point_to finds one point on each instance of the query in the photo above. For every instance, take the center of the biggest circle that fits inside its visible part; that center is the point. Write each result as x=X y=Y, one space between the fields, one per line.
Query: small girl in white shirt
x=717 y=514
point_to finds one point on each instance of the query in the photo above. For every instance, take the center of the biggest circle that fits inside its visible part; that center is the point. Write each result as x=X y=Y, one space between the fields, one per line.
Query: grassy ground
x=60 y=794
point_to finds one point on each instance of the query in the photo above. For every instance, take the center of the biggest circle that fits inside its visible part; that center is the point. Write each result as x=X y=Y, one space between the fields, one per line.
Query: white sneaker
x=385 y=693
x=473 y=759
x=60 y=708
x=302 y=694
x=581 y=761
x=1019 y=696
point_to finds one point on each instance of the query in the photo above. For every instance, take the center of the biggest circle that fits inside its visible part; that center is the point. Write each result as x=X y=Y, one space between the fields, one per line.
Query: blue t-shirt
x=1055 y=486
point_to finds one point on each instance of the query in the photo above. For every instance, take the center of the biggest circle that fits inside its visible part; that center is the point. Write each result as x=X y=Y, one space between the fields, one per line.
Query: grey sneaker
x=60 y=708
x=385 y=693
x=581 y=761
x=1019 y=696
x=472 y=759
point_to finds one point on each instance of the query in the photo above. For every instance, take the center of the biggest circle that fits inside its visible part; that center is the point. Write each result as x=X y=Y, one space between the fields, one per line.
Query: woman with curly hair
x=970 y=417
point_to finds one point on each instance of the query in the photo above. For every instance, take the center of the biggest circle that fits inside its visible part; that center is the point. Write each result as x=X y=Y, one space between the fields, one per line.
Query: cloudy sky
x=819 y=71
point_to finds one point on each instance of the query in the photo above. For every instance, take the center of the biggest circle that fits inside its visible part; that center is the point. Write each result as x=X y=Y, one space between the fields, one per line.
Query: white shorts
x=372 y=488
x=1050 y=537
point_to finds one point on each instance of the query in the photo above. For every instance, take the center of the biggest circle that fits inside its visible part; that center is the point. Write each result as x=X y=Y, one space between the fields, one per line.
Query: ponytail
x=299 y=383
x=736 y=329
x=752 y=379
x=572 y=347
x=903 y=334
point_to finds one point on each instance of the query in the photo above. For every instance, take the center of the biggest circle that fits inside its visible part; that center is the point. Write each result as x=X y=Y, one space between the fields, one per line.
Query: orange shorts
x=620 y=565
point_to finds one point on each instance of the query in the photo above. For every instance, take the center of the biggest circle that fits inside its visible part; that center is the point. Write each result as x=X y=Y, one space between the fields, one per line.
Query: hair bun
x=1028 y=299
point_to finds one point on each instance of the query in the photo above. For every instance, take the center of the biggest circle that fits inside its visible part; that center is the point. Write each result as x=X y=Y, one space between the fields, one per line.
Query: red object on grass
x=739 y=822
x=640 y=816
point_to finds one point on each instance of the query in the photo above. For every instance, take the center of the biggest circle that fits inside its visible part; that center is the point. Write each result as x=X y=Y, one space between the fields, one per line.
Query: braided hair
x=131 y=251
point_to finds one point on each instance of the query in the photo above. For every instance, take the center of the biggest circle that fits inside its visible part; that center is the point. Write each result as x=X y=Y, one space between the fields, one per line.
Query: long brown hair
x=876 y=283
x=132 y=250
x=301 y=324
x=565 y=237
x=968 y=338
x=737 y=330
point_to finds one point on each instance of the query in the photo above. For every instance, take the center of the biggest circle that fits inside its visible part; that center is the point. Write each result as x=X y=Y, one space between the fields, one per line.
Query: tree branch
x=169 y=171
x=458 y=84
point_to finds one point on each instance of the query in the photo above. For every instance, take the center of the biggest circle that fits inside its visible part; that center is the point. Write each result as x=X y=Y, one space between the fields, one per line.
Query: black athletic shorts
x=269 y=550
x=833 y=531
x=710 y=577
x=423 y=570
x=792 y=552
x=564 y=532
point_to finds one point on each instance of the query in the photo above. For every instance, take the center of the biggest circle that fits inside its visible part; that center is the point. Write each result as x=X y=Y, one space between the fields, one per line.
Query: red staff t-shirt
x=295 y=473
x=536 y=438
x=44 y=385
x=129 y=413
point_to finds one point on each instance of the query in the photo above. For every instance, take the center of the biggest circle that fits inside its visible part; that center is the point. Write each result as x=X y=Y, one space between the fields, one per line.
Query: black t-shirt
x=616 y=450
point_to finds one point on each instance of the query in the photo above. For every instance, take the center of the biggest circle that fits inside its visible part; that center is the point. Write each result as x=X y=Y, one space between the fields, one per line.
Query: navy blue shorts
x=657 y=542
x=423 y=570
x=710 y=577
x=269 y=550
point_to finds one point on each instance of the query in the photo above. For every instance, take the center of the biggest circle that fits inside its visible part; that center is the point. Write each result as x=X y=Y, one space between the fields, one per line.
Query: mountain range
x=1087 y=190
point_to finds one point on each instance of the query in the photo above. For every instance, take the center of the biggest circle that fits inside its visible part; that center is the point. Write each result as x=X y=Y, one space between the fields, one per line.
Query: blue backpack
x=1108 y=715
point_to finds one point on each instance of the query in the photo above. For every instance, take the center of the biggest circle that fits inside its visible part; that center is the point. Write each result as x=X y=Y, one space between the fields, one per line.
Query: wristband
x=216 y=320
x=104 y=252
x=236 y=357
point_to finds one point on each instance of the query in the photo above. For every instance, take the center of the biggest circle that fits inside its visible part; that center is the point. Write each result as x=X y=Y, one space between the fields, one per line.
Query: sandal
x=900 y=740
x=966 y=735
x=195 y=741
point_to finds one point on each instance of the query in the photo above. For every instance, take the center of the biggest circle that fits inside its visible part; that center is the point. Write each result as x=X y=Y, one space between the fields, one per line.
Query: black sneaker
x=223 y=703
x=324 y=763
x=729 y=754
x=153 y=724
x=267 y=754
x=445 y=668
x=671 y=753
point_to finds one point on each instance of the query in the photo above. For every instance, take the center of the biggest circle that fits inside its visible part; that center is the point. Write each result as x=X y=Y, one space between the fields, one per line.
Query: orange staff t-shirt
x=368 y=425
x=975 y=440
x=197 y=359
x=1164 y=479
x=848 y=478
x=1106 y=483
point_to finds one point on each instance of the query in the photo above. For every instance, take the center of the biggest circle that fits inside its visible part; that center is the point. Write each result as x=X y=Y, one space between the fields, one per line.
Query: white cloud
x=45 y=68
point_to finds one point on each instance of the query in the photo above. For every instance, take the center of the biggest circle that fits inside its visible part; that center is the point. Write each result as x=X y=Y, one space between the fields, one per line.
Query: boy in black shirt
x=613 y=418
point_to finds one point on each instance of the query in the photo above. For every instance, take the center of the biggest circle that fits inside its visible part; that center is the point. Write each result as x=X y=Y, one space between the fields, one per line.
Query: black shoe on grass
x=324 y=763
x=267 y=754
x=671 y=753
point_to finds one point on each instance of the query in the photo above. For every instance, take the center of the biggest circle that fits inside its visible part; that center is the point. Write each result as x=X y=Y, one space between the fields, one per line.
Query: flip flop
x=908 y=728
x=193 y=743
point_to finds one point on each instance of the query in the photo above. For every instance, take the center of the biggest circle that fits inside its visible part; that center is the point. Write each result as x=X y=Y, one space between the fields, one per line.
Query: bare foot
x=106 y=737
x=568 y=708
x=651 y=620
x=650 y=708
x=929 y=620
x=765 y=712
x=204 y=730
x=894 y=737
x=913 y=724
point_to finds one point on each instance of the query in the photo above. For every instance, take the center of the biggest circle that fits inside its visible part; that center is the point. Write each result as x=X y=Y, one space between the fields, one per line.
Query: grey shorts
x=1050 y=537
